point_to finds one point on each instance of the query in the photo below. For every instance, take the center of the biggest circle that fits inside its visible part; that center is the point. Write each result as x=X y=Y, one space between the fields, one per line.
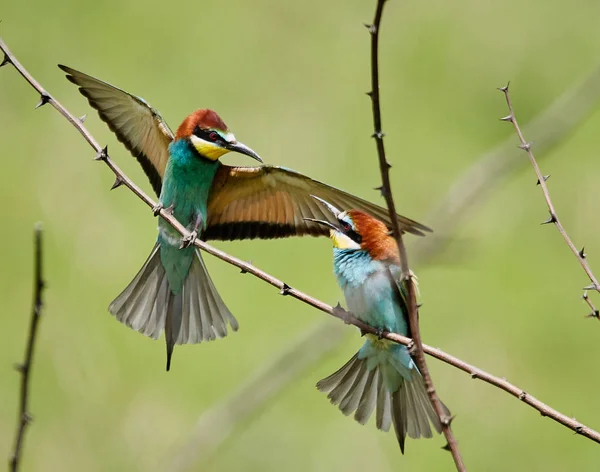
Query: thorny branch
x=336 y=311
x=25 y=368
x=468 y=191
x=525 y=146
x=386 y=190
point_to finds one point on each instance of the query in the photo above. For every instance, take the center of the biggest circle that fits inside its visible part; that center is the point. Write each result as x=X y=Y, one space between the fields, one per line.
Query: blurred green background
x=289 y=79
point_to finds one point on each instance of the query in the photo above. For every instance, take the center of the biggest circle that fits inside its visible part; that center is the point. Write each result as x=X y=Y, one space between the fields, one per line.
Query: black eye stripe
x=348 y=231
x=208 y=135
x=354 y=236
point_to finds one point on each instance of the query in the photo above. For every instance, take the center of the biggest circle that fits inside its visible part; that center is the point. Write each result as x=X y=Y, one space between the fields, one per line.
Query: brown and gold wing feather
x=270 y=202
x=137 y=125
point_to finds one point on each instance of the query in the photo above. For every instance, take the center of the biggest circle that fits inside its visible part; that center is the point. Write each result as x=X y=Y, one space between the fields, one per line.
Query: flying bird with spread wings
x=173 y=290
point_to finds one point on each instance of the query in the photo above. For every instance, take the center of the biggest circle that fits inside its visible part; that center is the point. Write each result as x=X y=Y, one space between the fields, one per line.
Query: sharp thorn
x=118 y=183
x=5 y=61
x=157 y=208
x=372 y=28
x=341 y=313
x=585 y=295
x=19 y=368
x=82 y=118
x=589 y=287
x=378 y=134
x=388 y=165
x=582 y=253
x=505 y=88
x=285 y=290
x=546 y=177
x=102 y=154
x=446 y=447
x=552 y=219
x=43 y=100
x=370 y=93
x=525 y=147
x=507 y=118
x=244 y=271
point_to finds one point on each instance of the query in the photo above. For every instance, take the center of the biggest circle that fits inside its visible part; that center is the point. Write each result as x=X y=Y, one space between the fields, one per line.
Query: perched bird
x=173 y=290
x=382 y=375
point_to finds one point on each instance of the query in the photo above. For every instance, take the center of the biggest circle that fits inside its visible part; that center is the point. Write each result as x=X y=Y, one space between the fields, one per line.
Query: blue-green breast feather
x=186 y=185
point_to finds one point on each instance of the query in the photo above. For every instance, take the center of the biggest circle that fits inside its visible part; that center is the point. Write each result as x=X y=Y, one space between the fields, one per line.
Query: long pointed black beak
x=324 y=223
x=243 y=149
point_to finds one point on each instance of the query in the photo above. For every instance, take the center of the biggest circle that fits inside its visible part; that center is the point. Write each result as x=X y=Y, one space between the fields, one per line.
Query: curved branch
x=386 y=190
x=338 y=312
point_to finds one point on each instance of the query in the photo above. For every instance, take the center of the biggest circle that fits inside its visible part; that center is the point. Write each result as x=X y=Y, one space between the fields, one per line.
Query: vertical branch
x=25 y=367
x=386 y=190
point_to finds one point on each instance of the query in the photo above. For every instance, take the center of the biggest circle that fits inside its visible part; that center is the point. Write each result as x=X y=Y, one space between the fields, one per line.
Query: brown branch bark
x=525 y=146
x=337 y=311
x=386 y=190
x=25 y=368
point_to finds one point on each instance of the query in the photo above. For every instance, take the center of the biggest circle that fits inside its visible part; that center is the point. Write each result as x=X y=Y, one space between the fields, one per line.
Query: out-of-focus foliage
x=289 y=79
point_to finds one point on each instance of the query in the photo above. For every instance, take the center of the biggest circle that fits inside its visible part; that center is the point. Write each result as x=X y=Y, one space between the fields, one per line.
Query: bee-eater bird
x=382 y=375
x=173 y=290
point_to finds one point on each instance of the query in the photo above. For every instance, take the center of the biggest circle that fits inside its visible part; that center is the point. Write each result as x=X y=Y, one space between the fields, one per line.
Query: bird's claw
x=380 y=332
x=412 y=348
x=188 y=240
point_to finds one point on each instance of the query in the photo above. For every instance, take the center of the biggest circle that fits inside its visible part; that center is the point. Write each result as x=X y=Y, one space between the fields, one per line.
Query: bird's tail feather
x=361 y=388
x=197 y=313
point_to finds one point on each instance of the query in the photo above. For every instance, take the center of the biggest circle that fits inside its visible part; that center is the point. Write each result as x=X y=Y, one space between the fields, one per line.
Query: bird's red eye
x=213 y=136
x=345 y=226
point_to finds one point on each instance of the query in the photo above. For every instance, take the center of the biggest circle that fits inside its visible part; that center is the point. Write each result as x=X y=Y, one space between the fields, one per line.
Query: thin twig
x=386 y=190
x=525 y=146
x=215 y=425
x=285 y=289
x=594 y=313
x=25 y=368
x=476 y=183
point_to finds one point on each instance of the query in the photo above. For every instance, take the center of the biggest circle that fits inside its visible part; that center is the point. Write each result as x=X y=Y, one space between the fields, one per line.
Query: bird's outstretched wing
x=137 y=125
x=270 y=202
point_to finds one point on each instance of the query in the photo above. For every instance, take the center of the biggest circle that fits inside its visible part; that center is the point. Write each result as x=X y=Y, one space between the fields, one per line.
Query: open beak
x=329 y=206
x=243 y=149
x=324 y=223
